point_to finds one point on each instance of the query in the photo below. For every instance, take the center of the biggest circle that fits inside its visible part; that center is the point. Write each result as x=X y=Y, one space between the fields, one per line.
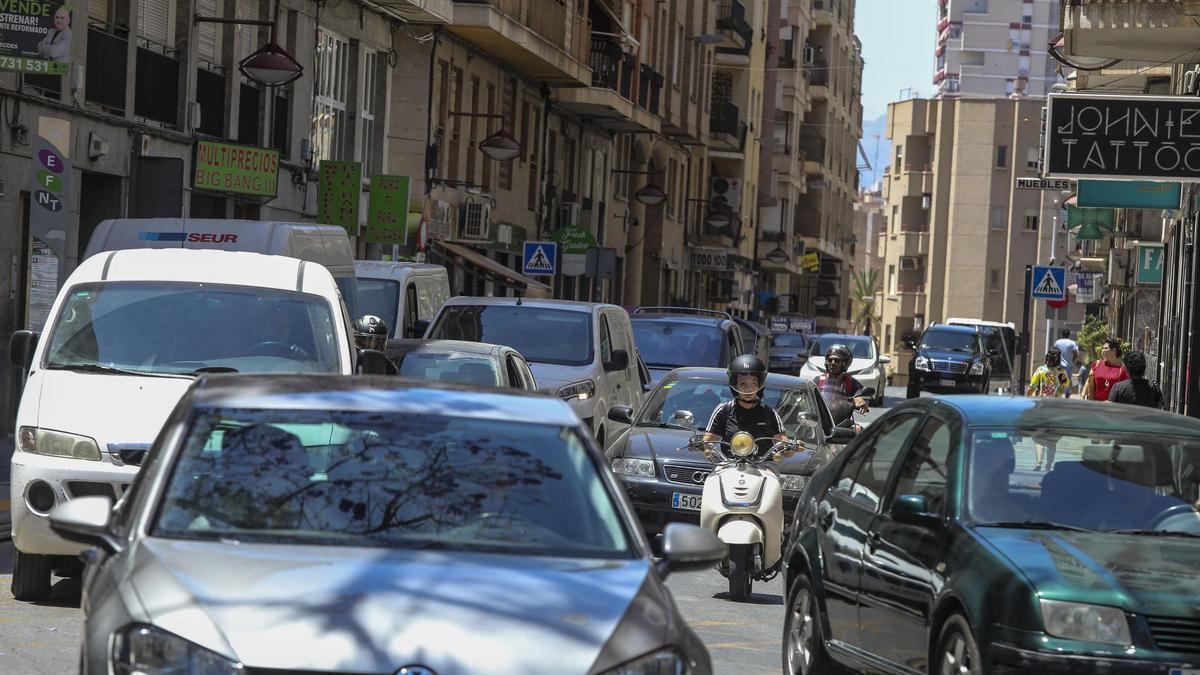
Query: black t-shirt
x=1136 y=392
x=760 y=422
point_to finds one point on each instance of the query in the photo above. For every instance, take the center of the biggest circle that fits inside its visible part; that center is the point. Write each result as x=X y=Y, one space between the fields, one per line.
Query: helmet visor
x=746 y=384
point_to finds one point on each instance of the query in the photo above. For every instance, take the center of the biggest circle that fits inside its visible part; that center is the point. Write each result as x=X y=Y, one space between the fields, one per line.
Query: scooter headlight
x=742 y=444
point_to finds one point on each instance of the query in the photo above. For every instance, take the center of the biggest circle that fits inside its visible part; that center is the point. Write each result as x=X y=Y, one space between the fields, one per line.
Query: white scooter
x=742 y=504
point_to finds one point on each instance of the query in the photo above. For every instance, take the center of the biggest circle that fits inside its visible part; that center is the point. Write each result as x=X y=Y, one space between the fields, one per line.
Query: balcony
x=915 y=180
x=813 y=148
x=421 y=11
x=650 y=84
x=807 y=223
x=1133 y=30
x=727 y=129
x=609 y=101
x=540 y=38
x=912 y=241
x=818 y=80
x=910 y=288
x=732 y=25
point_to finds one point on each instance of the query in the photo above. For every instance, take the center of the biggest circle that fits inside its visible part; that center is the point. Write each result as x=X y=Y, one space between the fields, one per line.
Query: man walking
x=1137 y=390
x=1070 y=355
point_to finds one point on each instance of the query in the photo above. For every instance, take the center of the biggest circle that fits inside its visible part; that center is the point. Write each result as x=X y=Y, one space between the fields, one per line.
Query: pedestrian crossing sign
x=540 y=258
x=1050 y=283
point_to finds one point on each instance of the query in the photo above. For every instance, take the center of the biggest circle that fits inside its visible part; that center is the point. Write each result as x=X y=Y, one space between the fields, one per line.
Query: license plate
x=1185 y=671
x=949 y=383
x=686 y=502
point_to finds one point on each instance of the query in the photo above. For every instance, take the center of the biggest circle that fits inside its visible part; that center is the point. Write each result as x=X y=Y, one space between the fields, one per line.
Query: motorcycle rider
x=371 y=332
x=747 y=412
x=837 y=386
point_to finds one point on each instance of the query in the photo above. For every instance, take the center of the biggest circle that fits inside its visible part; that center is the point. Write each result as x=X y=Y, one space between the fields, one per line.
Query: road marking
x=750 y=646
x=720 y=623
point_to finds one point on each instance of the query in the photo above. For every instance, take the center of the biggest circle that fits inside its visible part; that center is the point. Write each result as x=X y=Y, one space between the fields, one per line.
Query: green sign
x=1150 y=260
x=223 y=167
x=574 y=240
x=1129 y=194
x=1089 y=222
x=387 y=214
x=21 y=64
x=508 y=237
x=338 y=194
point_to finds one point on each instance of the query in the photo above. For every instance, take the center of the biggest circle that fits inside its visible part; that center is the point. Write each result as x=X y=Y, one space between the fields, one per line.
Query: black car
x=950 y=360
x=788 y=353
x=670 y=338
x=651 y=459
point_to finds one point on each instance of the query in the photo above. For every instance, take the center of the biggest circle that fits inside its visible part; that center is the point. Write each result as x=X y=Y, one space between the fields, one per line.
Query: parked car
x=669 y=340
x=664 y=480
x=950 y=360
x=789 y=352
x=405 y=295
x=1001 y=337
x=475 y=363
x=354 y=524
x=866 y=366
x=581 y=352
x=127 y=334
x=933 y=545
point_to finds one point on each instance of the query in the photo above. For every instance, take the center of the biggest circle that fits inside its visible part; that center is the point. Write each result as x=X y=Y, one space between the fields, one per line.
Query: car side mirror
x=621 y=414
x=21 y=347
x=685 y=418
x=842 y=435
x=85 y=520
x=912 y=510
x=618 y=361
x=371 y=362
x=417 y=329
x=689 y=547
x=885 y=360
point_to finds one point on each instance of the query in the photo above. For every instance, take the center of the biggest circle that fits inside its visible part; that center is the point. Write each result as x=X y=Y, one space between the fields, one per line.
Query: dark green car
x=932 y=545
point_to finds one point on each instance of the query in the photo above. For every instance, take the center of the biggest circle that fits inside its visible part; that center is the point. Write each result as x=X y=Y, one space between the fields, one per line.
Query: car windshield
x=700 y=396
x=448 y=367
x=179 y=328
x=540 y=334
x=666 y=344
x=950 y=341
x=860 y=347
x=795 y=340
x=389 y=480
x=380 y=297
x=1099 y=480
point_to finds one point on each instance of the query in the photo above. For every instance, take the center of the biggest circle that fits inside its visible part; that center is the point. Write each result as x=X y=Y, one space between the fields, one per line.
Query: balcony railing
x=726 y=119
x=731 y=16
x=611 y=67
x=813 y=148
x=649 y=89
x=914 y=228
x=910 y=288
x=818 y=74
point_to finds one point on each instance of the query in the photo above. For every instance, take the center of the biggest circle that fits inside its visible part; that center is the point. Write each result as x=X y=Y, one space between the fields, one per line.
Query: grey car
x=338 y=524
x=478 y=363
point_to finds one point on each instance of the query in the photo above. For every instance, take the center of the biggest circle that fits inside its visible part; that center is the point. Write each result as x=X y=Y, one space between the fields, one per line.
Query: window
x=473 y=131
x=374 y=91
x=491 y=110
x=999 y=218
x=1001 y=156
x=927 y=465
x=455 y=134
x=329 y=125
x=993 y=279
x=891 y=279
x=872 y=466
x=154 y=21
x=1032 y=160
x=972 y=58
x=606 y=346
x=1031 y=220
x=1026 y=18
x=1010 y=86
x=899 y=160
x=895 y=218
x=533 y=145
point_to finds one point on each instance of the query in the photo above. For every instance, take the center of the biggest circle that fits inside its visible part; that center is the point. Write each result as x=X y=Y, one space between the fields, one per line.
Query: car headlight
x=147 y=650
x=1089 y=623
x=664 y=662
x=921 y=363
x=580 y=390
x=977 y=369
x=633 y=467
x=57 y=444
x=793 y=482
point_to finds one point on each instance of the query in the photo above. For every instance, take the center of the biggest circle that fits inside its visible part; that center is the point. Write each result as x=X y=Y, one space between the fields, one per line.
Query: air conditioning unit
x=810 y=55
x=1118 y=267
x=911 y=263
x=569 y=214
x=473 y=221
x=726 y=191
x=926 y=201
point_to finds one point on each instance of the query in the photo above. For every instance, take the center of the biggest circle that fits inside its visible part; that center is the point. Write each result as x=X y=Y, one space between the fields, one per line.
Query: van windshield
x=380 y=297
x=179 y=328
x=541 y=335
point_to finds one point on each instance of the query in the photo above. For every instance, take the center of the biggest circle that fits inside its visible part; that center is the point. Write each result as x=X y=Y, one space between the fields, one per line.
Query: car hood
x=670 y=446
x=856 y=365
x=785 y=353
x=342 y=609
x=1147 y=575
x=551 y=377
x=108 y=408
x=946 y=355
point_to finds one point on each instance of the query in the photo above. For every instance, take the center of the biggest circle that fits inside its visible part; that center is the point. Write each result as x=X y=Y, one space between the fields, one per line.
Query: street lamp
x=500 y=146
x=650 y=194
x=270 y=65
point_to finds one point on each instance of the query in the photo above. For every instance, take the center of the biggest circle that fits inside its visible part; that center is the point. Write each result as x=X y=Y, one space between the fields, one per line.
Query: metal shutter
x=154 y=21
x=206 y=33
x=98 y=10
x=247 y=35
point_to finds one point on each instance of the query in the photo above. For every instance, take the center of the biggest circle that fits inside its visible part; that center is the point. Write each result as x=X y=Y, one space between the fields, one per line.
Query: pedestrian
x=1106 y=372
x=1050 y=380
x=1070 y=356
x=1137 y=390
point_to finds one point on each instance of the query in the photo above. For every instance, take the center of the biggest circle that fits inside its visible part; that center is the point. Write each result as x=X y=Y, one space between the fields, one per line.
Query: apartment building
x=992 y=48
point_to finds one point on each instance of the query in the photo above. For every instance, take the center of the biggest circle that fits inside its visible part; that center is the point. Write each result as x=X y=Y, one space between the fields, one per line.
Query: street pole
x=1053 y=261
x=1025 y=307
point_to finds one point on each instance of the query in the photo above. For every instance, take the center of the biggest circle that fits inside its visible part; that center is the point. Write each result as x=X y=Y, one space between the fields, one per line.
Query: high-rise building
x=994 y=48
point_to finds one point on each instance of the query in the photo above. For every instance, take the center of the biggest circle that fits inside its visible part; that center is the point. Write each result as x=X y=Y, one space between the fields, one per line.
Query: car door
x=900 y=578
x=845 y=516
x=629 y=381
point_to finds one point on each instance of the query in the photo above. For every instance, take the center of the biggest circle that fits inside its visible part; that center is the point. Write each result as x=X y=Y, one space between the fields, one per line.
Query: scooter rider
x=834 y=381
x=746 y=412
x=371 y=332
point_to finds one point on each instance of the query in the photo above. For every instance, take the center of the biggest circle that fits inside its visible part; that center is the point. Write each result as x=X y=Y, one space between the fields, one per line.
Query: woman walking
x=1050 y=380
x=1106 y=372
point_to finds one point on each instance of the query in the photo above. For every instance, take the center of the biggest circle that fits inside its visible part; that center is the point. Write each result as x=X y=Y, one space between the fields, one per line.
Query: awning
x=531 y=288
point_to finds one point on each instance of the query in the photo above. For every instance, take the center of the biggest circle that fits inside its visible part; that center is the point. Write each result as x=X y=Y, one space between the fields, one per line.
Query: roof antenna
x=520 y=294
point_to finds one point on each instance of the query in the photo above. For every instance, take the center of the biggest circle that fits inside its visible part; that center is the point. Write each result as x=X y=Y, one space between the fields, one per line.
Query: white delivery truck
x=405 y=295
x=127 y=334
x=327 y=245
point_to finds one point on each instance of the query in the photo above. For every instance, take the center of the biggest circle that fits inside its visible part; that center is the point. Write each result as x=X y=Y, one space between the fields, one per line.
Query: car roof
x=238 y=268
x=572 y=305
x=421 y=345
x=1061 y=414
x=948 y=328
x=382 y=394
x=842 y=336
x=691 y=319
x=695 y=373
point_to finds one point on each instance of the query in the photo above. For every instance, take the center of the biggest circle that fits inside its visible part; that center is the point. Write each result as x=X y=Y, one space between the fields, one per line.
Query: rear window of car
x=540 y=334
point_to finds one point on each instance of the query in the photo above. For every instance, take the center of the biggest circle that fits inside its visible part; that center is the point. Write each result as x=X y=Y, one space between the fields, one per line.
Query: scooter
x=742 y=504
x=842 y=407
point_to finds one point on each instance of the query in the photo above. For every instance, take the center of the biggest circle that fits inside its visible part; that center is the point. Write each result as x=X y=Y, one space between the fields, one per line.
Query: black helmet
x=747 y=364
x=370 y=332
x=841 y=351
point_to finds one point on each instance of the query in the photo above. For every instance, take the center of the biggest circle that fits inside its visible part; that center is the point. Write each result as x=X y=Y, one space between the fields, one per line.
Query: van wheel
x=31 y=577
x=957 y=652
x=741 y=578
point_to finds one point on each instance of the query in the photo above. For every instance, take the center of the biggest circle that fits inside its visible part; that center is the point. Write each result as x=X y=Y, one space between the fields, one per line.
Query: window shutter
x=154 y=20
x=98 y=10
x=247 y=35
x=206 y=33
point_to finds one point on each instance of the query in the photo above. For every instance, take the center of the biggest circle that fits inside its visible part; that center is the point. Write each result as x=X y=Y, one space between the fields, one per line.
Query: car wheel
x=31 y=577
x=741 y=578
x=913 y=391
x=957 y=652
x=803 y=645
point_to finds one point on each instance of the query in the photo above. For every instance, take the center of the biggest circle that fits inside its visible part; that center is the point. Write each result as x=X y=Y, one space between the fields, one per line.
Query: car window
x=449 y=367
x=606 y=342
x=380 y=297
x=410 y=308
x=875 y=460
x=527 y=378
x=860 y=347
x=926 y=465
x=951 y=341
x=562 y=337
x=513 y=372
x=670 y=344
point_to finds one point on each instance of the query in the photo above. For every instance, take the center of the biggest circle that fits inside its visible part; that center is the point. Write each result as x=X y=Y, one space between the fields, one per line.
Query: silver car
x=338 y=524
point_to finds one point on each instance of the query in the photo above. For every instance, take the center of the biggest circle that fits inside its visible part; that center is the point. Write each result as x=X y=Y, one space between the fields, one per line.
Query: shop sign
x=223 y=167
x=811 y=262
x=1043 y=184
x=1129 y=194
x=1123 y=137
x=1149 y=264
x=574 y=242
x=387 y=212
x=35 y=37
x=51 y=188
x=338 y=194
x=709 y=259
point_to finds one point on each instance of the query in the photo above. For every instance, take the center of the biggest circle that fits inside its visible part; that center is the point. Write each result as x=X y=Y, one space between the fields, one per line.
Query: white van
x=127 y=335
x=327 y=245
x=405 y=295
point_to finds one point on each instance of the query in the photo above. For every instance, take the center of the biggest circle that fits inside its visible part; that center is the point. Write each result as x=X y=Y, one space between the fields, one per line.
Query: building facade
x=994 y=48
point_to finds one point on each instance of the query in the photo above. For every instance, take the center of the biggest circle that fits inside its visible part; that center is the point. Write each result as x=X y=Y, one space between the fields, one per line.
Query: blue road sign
x=1049 y=283
x=541 y=258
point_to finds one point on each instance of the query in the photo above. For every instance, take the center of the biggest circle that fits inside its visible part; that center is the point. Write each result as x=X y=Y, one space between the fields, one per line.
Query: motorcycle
x=742 y=504
x=842 y=407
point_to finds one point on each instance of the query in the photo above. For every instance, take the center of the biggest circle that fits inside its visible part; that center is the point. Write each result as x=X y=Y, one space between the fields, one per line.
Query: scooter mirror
x=867 y=392
x=685 y=418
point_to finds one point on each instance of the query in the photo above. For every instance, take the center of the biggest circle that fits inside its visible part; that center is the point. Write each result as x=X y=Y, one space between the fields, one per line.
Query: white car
x=866 y=367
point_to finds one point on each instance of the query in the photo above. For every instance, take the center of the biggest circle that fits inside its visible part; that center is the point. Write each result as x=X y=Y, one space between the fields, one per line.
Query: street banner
x=338 y=194
x=1043 y=184
x=1049 y=283
x=1123 y=137
x=387 y=211
x=244 y=169
x=35 y=37
x=50 y=198
x=1149 y=264
x=1136 y=194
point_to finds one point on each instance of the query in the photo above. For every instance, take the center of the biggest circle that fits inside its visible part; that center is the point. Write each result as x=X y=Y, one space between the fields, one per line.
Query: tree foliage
x=864 y=286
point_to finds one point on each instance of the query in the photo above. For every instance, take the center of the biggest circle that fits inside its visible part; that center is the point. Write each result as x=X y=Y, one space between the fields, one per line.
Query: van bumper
x=66 y=478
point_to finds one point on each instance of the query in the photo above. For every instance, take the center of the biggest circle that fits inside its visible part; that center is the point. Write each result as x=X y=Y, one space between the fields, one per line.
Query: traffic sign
x=540 y=258
x=1050 y=283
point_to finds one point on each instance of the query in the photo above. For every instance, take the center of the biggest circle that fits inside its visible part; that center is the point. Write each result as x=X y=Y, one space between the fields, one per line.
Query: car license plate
x=1185 y=671
x=684 y=501
x=949 y=383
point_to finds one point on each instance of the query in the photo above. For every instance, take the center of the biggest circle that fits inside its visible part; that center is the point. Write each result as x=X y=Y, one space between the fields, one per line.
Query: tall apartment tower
x=995 y=48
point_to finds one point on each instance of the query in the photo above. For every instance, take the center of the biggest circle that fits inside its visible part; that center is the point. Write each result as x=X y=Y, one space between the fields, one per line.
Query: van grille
x=1175 y=634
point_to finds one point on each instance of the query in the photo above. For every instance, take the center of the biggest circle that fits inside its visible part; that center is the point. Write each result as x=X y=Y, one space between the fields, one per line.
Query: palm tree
x=862 y=299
